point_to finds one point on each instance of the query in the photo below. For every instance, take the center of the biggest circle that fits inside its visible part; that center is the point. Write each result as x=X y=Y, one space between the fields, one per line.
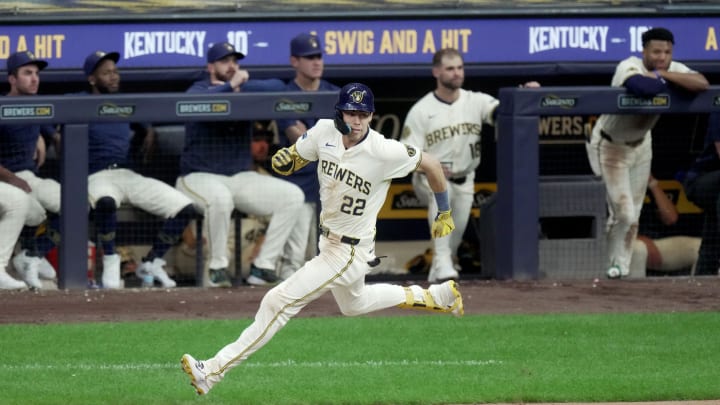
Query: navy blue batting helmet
x=356 y=97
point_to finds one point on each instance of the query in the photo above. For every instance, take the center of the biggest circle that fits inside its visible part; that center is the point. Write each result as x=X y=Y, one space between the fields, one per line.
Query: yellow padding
x=426 y=303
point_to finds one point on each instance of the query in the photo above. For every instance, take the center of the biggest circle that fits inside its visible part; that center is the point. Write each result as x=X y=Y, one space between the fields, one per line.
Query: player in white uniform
x=355 y=166
x=620 y=147
x=447 y=123
x=17 y=209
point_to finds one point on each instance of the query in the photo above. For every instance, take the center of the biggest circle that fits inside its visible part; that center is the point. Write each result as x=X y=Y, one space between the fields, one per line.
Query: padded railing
x=76 y=111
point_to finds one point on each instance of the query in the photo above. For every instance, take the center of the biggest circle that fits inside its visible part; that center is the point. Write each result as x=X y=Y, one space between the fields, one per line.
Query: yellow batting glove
x=443 y=224
x=283 y=162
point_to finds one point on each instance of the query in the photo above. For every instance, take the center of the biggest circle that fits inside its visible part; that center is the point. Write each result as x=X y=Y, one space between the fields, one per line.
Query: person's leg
x=14 y=208
x=281 y=303
x=214 y=200
x=263 y=195
x=47 y=193
x=442 y=263
x=639 y=175
x=461 y=201
x=297 y=243
x=616 y=175
x=158 y=198
x=105 y=198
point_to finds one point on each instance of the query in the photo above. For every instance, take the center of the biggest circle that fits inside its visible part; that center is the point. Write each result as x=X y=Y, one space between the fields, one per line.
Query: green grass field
x=424 y=359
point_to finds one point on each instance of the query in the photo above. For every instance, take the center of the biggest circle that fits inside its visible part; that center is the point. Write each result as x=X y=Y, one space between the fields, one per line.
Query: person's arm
x=40 y=151
x=665 y=208
x=444 y=223
x=9 y=177
x=434 y=173
x=295 y=131
x=691 y=81
x=645 y=86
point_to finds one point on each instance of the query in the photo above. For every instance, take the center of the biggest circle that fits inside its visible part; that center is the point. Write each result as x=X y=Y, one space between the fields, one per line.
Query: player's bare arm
x=40 y=152
x=693 y=81
x=295 y=131
x=9 y=177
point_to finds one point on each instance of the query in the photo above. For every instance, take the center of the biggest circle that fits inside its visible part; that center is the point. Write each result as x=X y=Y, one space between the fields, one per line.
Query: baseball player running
x=355 y=166
x=447 y=123
x=620 y=147
x=22 y=149
x=112 y=183
x=306 y=57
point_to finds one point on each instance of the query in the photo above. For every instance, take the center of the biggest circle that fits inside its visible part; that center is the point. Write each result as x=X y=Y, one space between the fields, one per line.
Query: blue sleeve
x=204 y=87
x=47 y=131
x=263 y=85
x=640 y=85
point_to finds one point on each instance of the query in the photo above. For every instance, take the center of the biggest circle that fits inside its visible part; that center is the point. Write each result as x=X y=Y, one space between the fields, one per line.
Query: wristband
x=443 y=201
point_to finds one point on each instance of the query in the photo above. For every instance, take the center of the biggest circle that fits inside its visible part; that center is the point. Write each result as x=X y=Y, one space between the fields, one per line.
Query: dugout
x=494 y=59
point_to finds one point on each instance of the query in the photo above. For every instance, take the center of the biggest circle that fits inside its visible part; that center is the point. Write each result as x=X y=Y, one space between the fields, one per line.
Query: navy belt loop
x=343 y=239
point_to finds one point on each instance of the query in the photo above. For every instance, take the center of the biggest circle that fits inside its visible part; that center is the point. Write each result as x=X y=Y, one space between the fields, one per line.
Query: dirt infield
x=480 y=297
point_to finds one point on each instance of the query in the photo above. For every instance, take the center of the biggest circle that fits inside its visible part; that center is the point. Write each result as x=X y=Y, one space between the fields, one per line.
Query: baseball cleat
x=615 y=272
x=111 y=272
x=436 y=275
x=260 y=276
x=9 y=283
x=45 y=270
x=219 y=278
x=28 y=267
x=456 y=308
x=195 y=369
x=156 y=269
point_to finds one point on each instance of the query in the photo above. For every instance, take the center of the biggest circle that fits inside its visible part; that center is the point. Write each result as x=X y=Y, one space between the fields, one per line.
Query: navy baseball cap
x=94 y=59
x=23 y=58
x=305 y=45
x=221 y=50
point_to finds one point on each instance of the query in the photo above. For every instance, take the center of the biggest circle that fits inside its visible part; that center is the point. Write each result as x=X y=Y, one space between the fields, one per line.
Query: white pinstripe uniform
x=620 y=150
x=451 y=133
x=353 y=187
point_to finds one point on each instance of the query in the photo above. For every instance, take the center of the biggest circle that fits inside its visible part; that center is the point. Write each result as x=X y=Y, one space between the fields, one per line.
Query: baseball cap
x=221 y=50
x=94 y=59
x=24 y=58
x=305 y=45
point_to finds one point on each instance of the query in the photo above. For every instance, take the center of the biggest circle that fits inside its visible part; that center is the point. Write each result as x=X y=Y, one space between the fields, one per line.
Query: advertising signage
x=364 y=42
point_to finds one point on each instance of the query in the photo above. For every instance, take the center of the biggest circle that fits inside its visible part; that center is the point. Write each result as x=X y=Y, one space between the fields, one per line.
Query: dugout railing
x=76 y=111
x=517 y=162
x=517 y=155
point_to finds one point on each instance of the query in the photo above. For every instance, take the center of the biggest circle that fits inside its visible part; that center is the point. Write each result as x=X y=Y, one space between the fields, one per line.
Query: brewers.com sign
x=9 y=112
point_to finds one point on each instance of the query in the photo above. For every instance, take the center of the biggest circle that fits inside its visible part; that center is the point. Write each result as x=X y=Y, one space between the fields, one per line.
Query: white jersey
x=354 y=182
x=450 y=132
x=632 y=127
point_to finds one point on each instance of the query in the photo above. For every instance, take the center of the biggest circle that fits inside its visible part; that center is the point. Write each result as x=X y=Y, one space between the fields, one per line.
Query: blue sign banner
x=367 y=42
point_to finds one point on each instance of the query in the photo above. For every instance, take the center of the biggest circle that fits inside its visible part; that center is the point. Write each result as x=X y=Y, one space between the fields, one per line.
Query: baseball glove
x=443 y=224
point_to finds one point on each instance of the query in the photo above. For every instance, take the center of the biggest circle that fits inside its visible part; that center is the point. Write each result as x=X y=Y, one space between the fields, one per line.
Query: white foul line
x=277 y=364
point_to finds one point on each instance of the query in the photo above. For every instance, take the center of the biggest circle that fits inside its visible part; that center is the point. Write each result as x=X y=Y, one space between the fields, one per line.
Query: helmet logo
x=357 y=96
